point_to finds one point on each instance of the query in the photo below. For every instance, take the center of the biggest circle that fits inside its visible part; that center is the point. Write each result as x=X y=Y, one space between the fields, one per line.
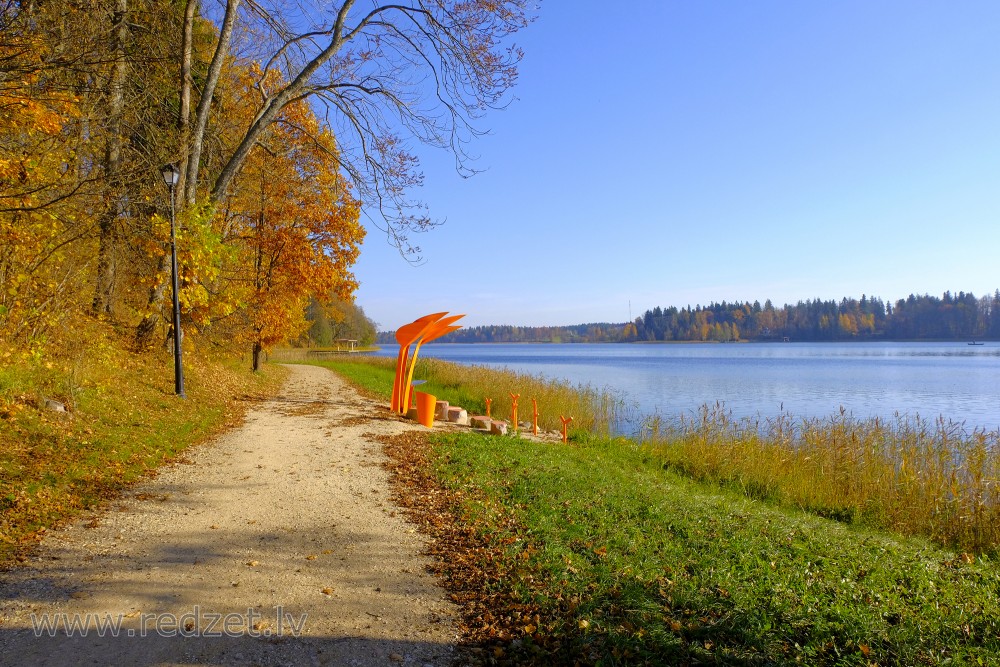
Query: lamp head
x=171 y=175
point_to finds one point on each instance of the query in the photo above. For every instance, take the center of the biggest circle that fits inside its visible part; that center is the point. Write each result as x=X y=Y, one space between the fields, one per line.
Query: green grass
x=626 y=561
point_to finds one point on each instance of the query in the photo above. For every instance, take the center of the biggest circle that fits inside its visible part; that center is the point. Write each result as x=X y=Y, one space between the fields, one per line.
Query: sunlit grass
x=603 y=557
x=905 y=474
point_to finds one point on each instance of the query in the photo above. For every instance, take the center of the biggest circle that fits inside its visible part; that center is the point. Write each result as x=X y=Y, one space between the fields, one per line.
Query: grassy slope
x=622 y=557
x=626 y=562
x=124 y=422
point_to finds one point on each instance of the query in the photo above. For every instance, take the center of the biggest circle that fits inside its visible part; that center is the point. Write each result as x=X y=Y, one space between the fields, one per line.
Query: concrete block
x=441 y=410
x=498 y=427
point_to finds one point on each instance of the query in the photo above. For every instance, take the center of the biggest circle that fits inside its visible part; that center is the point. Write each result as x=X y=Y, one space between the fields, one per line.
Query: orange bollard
x=534 y=407
x=425 y=408
x=565 y=420
x=489 y=402
x=513 y=410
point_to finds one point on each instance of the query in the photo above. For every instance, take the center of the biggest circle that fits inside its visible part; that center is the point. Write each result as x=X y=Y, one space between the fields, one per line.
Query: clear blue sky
x=678 y=153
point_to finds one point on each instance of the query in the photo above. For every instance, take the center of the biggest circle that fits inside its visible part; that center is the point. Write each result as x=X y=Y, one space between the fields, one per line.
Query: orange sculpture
x=513 y=410
x=565 y=420
x=405 y=335
x=489 y=402
x=420 y=331
x=534 y=421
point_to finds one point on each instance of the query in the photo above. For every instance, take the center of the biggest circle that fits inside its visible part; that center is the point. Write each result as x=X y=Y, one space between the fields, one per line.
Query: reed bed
x=904 y=474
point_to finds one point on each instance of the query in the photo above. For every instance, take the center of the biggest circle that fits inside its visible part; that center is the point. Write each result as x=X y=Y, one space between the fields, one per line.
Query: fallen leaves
x=470 y=567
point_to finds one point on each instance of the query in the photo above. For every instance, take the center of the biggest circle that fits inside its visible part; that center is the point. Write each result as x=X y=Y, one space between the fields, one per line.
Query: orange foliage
x=295 y=228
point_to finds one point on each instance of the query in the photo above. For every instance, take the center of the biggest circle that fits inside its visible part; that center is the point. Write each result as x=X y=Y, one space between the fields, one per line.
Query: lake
x=805 y=380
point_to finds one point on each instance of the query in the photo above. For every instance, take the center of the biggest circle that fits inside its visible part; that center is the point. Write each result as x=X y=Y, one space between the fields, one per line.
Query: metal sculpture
x=513 y=410
x=420 y=331
x=565 y=420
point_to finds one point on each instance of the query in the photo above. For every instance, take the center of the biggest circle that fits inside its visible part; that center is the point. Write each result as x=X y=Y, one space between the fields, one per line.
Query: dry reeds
x=904 y=474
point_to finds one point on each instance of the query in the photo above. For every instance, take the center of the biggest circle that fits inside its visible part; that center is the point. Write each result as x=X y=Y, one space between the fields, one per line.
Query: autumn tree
x=41 y=264
x=294 y=227
x=382 y=74
x=332 y=319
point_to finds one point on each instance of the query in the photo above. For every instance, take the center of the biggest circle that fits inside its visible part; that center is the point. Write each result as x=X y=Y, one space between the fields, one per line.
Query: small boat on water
x=975 y=343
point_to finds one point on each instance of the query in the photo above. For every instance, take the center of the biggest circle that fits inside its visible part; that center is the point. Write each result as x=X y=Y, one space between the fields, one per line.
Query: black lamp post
x=170 y=176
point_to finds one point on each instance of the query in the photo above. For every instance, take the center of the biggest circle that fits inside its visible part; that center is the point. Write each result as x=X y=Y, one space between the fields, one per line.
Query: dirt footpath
x=277 y=544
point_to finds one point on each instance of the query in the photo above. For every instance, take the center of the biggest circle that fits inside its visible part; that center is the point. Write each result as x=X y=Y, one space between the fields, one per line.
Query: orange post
x=489 y=402
x=425 y=408
x=565 y=420
x=534 y=421
x=513 y=410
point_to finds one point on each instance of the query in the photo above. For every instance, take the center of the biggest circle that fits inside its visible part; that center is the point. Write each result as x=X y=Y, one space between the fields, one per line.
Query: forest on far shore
x=949 y=317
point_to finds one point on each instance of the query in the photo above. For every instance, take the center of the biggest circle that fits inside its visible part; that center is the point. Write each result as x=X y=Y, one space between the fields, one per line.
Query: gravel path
x=277 y=544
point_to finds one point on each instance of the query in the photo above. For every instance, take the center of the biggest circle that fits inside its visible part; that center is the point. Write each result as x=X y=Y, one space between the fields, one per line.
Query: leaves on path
x=496 y=627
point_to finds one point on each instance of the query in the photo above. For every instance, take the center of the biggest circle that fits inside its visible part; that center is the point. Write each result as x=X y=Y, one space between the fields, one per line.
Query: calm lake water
x=958 y=381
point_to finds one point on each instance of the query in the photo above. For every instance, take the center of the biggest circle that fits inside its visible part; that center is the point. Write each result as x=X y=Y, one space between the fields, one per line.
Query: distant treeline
x=949 y=317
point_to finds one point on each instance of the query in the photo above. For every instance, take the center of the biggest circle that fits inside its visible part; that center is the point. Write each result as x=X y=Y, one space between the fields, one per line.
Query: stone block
x=498 y=427
x=479 y=421
x=441 y=410
x=458 y=416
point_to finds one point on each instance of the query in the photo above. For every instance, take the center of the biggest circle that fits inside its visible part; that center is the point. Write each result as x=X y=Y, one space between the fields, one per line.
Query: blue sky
x=681 y=152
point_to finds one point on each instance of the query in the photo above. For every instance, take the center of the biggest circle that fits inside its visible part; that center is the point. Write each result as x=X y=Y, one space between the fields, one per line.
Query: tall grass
x=904 y=474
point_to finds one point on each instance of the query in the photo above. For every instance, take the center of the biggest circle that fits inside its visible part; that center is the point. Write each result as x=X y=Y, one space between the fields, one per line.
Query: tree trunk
x=257 y=353
x=112 y=163
x=147 y=327
x=197 y=136
x=184 y=119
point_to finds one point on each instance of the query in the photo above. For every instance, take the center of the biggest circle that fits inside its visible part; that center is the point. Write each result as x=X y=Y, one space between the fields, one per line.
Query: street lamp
x=171 y=176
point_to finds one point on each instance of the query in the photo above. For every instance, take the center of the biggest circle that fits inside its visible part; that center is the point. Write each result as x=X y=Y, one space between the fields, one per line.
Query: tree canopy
x=286 y=122
x=949 y=317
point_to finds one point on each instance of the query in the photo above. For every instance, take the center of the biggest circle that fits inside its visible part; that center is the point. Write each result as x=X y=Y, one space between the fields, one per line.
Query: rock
x=55 y=406
x=498 y=427
x=412 y=413
x=458 y=416
x=441 y=410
